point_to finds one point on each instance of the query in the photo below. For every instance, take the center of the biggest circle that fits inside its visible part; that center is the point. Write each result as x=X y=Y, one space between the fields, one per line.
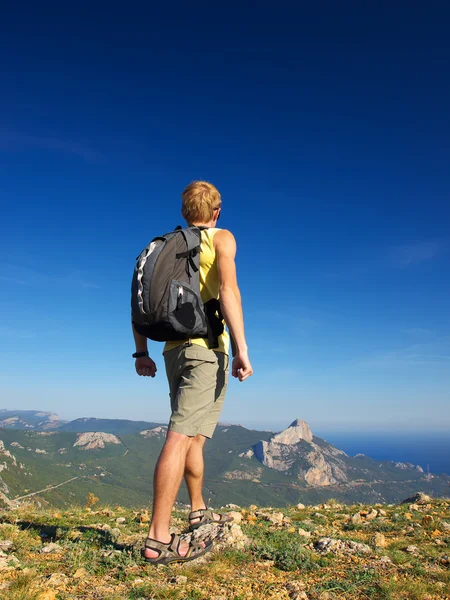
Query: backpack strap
x=192 y=236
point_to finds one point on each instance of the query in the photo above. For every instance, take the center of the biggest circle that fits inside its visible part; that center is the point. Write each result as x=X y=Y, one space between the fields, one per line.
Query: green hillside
x=49 y=467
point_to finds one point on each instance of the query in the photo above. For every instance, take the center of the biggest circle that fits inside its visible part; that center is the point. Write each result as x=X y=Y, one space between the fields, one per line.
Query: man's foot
x=203 y=516
x=149 y=553
x=174 y=550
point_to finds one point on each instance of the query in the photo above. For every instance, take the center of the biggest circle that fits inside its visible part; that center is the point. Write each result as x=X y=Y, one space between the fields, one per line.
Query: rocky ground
x=316 y=552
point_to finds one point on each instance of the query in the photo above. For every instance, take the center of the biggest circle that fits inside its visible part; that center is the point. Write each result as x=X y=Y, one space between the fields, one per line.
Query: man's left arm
x=145 y=366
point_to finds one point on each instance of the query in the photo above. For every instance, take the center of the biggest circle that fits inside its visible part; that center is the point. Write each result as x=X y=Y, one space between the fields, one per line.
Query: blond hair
x=199 y=201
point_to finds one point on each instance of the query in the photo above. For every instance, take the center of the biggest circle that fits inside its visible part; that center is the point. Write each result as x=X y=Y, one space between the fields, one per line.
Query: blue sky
x=327 y=132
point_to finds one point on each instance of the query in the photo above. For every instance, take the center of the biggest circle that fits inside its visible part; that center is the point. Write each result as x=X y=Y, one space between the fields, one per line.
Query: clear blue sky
x=326 y=128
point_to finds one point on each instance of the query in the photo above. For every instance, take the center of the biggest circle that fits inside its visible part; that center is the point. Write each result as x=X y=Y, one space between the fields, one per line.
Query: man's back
x=209 y=287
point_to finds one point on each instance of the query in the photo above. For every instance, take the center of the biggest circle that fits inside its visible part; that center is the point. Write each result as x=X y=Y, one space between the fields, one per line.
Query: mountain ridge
x=242 y=466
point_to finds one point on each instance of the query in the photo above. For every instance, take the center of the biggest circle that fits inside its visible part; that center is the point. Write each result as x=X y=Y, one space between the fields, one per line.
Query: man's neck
x=202 y=224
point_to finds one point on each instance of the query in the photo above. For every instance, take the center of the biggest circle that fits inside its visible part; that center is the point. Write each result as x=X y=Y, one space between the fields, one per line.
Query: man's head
x=201 y=204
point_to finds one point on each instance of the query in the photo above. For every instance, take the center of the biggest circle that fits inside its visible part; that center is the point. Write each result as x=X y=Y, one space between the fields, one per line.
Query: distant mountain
x=242 y=466
x=29 y=419
x=115 y=426
x=297 y=452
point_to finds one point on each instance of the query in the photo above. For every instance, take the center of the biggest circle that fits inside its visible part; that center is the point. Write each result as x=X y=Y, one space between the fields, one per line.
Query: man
x=197 y=377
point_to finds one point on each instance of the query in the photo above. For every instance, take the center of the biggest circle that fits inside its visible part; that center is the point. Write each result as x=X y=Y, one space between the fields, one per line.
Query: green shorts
x=198 y=380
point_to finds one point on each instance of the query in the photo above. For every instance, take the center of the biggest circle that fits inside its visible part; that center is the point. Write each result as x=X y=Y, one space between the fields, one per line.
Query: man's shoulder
x=224 y=237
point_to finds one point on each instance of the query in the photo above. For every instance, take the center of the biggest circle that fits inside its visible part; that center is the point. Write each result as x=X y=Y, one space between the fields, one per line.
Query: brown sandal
x=205 y=516
x=169 y=552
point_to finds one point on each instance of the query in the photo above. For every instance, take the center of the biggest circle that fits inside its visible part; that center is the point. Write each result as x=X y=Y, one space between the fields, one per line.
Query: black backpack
x=165 y=293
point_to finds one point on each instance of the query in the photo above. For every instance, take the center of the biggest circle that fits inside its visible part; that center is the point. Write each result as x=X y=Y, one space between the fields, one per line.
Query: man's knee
x=178 y=440
x=199 y=439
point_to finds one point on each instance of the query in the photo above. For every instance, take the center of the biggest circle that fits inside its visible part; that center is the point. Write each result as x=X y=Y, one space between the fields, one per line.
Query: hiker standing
x=196 y=365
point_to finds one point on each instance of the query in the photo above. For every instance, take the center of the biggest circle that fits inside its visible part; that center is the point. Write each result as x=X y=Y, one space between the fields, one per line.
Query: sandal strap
x=195 y=548
x=172 y=548
x=169 y=549
x=203 y=513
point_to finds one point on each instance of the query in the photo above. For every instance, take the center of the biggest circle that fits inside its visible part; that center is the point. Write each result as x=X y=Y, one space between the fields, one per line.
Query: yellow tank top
x=209 y=288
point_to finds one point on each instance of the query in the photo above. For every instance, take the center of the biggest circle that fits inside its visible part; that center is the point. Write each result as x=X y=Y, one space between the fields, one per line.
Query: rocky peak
x=155 y=432
x=90 y=440
x=317 y=463
x=298 y=430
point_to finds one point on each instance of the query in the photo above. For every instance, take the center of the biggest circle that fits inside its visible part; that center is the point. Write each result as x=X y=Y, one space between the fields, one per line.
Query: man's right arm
x=230 y=301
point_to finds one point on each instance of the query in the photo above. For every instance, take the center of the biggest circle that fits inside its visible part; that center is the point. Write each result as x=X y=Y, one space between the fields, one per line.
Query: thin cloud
x=426 y=354
x=408 y=255
x=26 y=276
x=13 y=280
x=12 y=141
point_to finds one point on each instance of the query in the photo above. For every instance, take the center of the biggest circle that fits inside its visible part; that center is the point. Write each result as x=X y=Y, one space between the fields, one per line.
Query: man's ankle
x=198 y=506
x=161 y=534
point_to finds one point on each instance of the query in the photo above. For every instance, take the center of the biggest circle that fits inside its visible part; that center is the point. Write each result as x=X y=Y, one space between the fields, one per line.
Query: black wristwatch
x=140 y=354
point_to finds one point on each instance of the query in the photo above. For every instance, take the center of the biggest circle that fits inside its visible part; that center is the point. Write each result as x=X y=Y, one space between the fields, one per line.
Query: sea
x=428 y=449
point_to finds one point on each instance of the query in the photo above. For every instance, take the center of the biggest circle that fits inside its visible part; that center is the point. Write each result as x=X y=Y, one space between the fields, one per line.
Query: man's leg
x=166 y=483
x=193 y=472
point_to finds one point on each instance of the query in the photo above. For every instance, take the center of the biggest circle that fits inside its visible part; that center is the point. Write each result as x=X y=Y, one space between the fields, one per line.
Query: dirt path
x=52 y=487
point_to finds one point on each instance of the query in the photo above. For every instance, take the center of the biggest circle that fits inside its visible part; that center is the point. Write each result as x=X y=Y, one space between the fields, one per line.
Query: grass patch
x=284 y=549
x=21 y=588
x=362 y=583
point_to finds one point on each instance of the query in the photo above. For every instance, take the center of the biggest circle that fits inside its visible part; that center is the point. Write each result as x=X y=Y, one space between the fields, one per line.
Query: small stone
x=356 y=519
x=144 y=517
x=419 y=498
x=300 y=506
x=413 y=507
x=295 y=590
x=412 y=549
x=386 y=560
x=436 y=533
x=236 y=516
x=179 y=579
x=8 y=563
x=371 y=515
x=304 y=533
x=379 y=540
x=120 y=520
x=253 y=507
x=47 y=595
x=276 y=518
x=326 y=544
x=57 y=579
x=6 y=545
x=445 y=526
x=51 y=548
x=80 y=573
x=233 y=506
x=382 y=512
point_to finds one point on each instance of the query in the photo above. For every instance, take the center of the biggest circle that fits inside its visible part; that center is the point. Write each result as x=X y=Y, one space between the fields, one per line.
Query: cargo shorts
x=198 y=379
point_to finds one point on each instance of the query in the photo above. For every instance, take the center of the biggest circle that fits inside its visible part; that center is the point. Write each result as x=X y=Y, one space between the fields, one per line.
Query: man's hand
x=145 y=366
x=241 y=367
